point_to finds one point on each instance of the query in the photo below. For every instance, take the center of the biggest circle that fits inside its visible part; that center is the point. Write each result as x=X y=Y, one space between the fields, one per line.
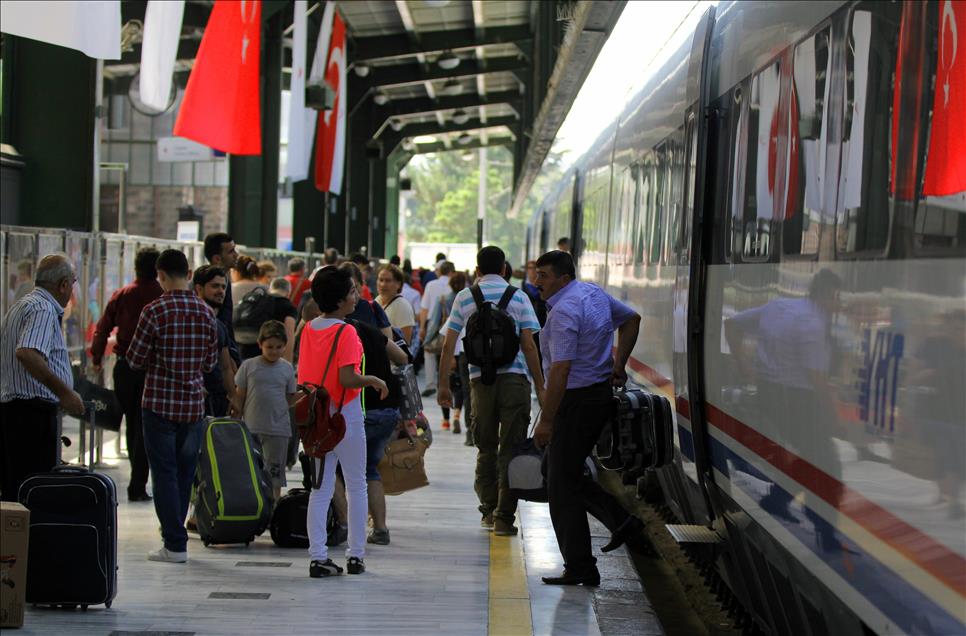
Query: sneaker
x=504 y=528
x=487 y=522
x=321 y=569
x=445 y=425
x=338 y=536
x=355 y=565
x=165 y=555
x=378 y=537
x=456 y=426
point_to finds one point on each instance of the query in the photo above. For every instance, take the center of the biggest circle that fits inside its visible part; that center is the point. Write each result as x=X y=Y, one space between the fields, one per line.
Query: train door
x=577 y=219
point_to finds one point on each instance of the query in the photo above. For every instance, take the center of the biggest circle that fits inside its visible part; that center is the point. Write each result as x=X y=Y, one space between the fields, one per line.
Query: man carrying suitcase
x=35 y=376
x=176 y=342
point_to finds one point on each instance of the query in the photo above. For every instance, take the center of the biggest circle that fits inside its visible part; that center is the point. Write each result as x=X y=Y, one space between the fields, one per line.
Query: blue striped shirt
x=520 y=309
x=34 y=322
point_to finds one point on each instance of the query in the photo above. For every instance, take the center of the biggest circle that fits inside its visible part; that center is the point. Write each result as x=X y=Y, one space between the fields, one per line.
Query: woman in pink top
x=336 y=296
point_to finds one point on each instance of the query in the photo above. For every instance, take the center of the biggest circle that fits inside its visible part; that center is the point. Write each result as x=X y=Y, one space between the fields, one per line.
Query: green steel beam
x=383 y=47
x=403 y=74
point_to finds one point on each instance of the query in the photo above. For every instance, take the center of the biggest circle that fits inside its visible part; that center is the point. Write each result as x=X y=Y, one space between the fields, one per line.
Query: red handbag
x=319 y=430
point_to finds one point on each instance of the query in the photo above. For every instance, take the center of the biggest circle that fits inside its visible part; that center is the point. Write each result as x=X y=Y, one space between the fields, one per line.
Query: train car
x=785 y=205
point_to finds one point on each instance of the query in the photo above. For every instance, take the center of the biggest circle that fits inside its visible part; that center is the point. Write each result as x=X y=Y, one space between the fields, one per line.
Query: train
x=784 y=203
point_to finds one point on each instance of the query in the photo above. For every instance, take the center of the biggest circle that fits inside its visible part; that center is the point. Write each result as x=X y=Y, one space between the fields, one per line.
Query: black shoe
x=632 y=530
x=355 y=565
x=591 y=579
x=321 y=569
x=337 y=537
x=141 y=496
x=428 y=392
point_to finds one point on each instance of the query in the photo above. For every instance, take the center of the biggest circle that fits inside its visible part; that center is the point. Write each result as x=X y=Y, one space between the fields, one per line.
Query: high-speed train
x=785 y=205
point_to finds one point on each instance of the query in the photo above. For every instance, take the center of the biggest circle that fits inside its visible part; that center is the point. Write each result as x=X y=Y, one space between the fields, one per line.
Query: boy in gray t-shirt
x=266 y=390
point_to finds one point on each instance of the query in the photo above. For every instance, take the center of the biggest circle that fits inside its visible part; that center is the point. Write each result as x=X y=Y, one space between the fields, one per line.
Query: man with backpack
x=500 y=323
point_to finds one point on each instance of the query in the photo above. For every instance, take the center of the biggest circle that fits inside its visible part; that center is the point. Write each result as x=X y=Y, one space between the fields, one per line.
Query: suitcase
x=73 y=534
x=527 y=472
x=412 y=402
x=235 y=499
x=638 y=435
x=289 y=526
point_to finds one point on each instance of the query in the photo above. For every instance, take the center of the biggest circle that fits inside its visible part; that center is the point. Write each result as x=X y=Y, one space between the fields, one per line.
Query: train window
x=940 y=225
x=754 y=198
x=867 y=145
x=807 y=137
x=676 y=209
x=655 y=229
x=647 y=203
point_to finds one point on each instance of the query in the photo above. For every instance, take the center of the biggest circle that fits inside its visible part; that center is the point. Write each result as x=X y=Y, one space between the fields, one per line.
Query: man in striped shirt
x=501 y=410
x=176 y=342
x=36 y=376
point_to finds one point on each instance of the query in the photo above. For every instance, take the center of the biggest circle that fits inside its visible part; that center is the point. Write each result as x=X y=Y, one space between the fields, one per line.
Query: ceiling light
x=435 y=4
x=448 y=61
x=396 y=124
x=467 y=155
x=425 y=139
x=460 y=116
x=380 y=98
x=407 y=144
x=464 y=139
x=452 y=87
x=362 y=69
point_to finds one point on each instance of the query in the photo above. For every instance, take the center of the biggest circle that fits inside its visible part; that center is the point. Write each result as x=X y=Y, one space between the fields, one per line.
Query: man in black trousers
x=123 y=311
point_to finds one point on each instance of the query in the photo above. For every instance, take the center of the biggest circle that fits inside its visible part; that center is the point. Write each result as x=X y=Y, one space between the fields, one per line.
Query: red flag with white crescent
x=946 y=158
x=330 y=131
x=222 y=105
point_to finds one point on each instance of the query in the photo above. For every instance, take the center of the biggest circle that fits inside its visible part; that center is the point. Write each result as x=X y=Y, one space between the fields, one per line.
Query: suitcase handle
x=67 y=468
x=91 y=407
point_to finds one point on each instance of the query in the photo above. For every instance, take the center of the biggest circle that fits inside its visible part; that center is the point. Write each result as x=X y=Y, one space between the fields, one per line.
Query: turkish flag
x=330 y=131
x=222 y=106
x=946 y=158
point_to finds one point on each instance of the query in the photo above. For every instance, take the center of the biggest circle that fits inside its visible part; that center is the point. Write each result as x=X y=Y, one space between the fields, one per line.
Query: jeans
x=502 y=414
x=129 y=385
x=380 y=425
x=173 y=454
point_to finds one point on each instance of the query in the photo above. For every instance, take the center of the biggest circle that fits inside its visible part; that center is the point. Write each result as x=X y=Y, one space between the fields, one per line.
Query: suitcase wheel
x=108 y=604
x=206 y=541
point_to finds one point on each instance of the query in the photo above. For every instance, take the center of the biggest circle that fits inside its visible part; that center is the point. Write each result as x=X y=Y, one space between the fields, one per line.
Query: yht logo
x=879 y=378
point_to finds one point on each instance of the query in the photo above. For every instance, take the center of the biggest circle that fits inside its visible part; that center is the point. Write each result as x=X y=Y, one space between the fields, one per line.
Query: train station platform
x=442 y=574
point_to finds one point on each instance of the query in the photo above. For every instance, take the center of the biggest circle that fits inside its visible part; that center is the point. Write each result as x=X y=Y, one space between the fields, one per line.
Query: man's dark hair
x=490 y=260
x=824 y=284
x=213 y=243
x=563 y=240
x=559 y=261
x=145 y=263
x=296 y=265
x=330 y=256
x=446 y=268
x=330 y=287
x=359 y=259
x=440 y=257
x=407 y=266
x=204 y=275
x=173 y=263
x=394 y=260
x=353 y=270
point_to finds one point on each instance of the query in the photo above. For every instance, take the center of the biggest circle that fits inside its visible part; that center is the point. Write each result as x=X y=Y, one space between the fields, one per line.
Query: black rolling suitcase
x=73 y=535
x=289 y=525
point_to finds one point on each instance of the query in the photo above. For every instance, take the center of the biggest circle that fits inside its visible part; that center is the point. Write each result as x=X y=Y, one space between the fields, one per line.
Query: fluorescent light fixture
x=464 y=139
x=448 y=61
x=425 y=139
x=361 y=70
x=460 y=116
x=435 y=4
x=452 y=87
x=380 y=98
x=396 y=124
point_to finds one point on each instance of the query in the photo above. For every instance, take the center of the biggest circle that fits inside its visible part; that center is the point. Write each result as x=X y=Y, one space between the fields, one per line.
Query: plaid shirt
x=176 y=341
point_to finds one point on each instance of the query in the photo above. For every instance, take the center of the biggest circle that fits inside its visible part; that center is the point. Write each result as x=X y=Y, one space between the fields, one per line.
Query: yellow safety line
x=509 y=597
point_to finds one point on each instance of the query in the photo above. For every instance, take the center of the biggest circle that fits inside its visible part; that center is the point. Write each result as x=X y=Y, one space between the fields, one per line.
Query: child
x=266 y=389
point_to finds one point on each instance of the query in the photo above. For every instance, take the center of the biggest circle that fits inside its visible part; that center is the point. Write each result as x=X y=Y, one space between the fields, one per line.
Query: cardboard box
x=14 y=534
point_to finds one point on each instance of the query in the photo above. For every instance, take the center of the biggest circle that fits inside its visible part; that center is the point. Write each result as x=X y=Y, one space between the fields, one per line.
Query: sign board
x=181 y=149
x=188 y=230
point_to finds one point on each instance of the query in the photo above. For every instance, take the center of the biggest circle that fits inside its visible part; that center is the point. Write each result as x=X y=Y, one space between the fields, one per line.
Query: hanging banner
x=330 y=129
x=946 y=159
x=92 y=27
x=159 y=50
x=222 y=102
x=299 y=139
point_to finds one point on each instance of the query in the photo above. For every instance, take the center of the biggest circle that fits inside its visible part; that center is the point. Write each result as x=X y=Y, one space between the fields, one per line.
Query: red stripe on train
x=915 y=545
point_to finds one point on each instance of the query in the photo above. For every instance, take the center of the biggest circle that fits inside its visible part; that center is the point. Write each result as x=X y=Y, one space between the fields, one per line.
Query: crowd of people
x=233 y=338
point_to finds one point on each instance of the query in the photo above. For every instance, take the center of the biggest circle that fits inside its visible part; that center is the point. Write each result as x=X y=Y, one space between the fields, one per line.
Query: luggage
x=491 y=339
x=234 y=491
x=255 y=308
x=527 y=472
x=73 y=535
x=412 y=402
x=638 y=435
x=402 y=468
x=289 y=526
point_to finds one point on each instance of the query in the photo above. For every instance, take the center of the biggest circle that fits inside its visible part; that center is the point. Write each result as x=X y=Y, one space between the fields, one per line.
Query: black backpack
x=491 y=339
x=255 y=308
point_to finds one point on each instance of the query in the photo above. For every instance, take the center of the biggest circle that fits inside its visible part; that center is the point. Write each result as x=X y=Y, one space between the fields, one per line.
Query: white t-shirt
x=399 y=312
x=412 y=296
x=435 y=289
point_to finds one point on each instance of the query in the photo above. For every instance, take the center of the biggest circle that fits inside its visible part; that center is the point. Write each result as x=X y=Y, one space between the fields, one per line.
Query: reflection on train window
x=754 y=197
x=684 y=229
x=676 y=178
x=940 y=225
x=807 y=145
x=647 y=204
x=864 y=190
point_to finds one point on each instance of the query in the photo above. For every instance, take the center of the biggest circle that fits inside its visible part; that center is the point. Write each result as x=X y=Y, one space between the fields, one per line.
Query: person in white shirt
x=431 y=295
x=397 y=308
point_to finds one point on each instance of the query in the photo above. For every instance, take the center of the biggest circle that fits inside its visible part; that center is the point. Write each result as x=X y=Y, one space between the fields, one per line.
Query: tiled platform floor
x=432 y=579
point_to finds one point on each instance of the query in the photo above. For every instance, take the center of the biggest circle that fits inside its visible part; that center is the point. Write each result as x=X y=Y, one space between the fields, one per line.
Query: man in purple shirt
x=580 y=368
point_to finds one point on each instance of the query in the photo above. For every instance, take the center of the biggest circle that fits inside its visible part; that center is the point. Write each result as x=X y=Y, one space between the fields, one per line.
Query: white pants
x=431 y=362
x=351 y=455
